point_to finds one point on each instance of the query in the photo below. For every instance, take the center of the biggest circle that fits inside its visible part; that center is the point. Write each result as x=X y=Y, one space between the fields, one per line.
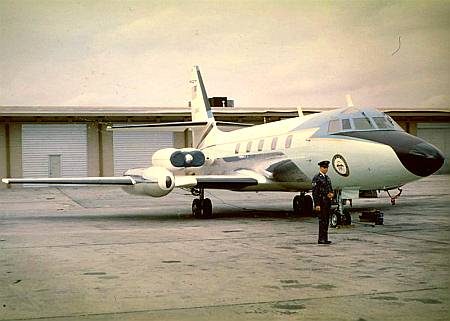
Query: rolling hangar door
x=437 y=134
x=134 y=149
x=54 y=150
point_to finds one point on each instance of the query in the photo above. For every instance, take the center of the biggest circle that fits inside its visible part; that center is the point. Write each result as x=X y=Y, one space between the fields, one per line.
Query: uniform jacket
x=321 y=186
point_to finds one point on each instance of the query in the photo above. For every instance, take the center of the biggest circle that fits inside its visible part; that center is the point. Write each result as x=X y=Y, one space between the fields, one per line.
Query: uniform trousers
x=324 y=219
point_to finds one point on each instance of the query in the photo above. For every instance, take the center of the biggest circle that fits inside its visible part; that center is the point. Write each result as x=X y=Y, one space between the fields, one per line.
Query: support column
x=179 y=141
x=413 y=128
x=106 y=151
x=3 y=154
x=188 y=138
x=15 y=150
x=93 y=149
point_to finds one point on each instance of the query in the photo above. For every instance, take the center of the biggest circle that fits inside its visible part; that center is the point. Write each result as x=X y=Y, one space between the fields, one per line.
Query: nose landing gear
x=338 y=218
x=340 y=215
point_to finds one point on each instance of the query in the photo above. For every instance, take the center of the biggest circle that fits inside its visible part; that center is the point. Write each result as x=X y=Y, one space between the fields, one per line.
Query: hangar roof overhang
x=112 y=113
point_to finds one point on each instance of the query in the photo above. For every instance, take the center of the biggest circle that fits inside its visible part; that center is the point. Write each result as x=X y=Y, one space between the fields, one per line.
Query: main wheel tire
x=335 y=218
x=307 y=205
x=207 y=208
x=196 y=208
x=297 y=205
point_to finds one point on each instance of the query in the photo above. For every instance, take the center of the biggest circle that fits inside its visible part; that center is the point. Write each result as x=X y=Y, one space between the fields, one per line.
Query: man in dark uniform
x=322 y=192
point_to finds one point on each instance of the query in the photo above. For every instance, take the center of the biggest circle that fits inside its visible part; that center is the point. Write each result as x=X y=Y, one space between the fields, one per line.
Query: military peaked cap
x=324 y=163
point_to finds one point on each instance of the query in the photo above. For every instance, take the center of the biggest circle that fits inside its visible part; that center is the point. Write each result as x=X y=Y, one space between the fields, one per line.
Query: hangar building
x=73 y=141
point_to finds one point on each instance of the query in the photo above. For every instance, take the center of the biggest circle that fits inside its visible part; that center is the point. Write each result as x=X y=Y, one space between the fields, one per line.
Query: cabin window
x=288 y=142
x=236 y=150
x=249 y=147
x=346 y=124
x=274 y=143
x=382 y=122
x=261 y=145
x=334 y=126
x=362 y=123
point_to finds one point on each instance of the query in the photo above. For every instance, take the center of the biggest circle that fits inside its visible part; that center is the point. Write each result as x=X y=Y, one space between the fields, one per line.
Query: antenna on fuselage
x=300 y=111
x=349 y=100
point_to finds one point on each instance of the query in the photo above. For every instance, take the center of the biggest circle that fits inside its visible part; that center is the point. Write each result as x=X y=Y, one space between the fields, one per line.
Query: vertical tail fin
x=200 y=109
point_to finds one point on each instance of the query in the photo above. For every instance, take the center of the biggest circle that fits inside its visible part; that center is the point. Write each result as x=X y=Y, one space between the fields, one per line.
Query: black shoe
x=324 y=242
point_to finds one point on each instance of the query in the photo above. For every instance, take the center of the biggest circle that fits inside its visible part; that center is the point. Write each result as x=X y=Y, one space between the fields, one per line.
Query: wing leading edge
x=121 y=180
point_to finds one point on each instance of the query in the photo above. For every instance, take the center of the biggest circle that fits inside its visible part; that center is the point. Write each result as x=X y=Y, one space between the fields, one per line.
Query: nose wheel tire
x=335 y=218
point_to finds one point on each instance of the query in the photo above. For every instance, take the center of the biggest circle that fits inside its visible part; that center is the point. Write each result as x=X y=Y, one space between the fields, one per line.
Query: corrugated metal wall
x=134 y=149
x=42 y=142
x=437 y=134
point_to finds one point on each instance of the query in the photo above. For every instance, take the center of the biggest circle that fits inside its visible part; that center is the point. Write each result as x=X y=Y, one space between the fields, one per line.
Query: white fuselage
x=371 y=165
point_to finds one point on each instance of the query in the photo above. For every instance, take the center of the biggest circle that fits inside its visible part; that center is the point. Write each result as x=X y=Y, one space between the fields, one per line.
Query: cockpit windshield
x=362 y=123
x=353 y=119
x=346 y=124
x=334 y=125
x=383 y=122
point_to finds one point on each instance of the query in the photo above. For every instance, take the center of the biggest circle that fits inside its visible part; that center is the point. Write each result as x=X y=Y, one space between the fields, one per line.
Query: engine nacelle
x=153 y=181
x=176 y=159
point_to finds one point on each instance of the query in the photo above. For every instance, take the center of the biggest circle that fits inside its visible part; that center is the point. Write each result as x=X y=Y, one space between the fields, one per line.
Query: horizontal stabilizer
x=228 y=123
x=160 y=126
x=120 y=180
x=174 y=125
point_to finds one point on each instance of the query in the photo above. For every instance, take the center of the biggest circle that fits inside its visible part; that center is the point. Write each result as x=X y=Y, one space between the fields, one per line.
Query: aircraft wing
x=237 y=181
x=120 y=180
x=205 y=181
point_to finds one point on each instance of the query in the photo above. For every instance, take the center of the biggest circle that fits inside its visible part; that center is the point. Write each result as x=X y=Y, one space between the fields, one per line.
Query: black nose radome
x=418 y=156
x=422 y=159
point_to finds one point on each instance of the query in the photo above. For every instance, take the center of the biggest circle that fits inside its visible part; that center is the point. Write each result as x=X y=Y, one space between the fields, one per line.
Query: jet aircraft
x=367 y=150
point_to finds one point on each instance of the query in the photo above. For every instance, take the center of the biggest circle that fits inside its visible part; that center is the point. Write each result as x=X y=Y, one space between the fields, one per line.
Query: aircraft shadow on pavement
x=167 y=215
x=183 y=214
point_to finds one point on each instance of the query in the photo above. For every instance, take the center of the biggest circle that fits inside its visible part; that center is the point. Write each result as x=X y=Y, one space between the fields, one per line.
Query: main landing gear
x=201 y=207
x=303 y=205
